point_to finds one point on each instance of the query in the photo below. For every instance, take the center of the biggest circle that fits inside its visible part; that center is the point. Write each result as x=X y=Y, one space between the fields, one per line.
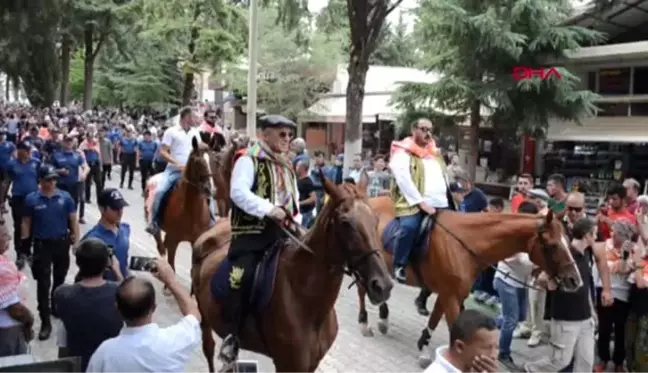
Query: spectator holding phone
x=111 y=230
x=143 y=346
x=87 y=308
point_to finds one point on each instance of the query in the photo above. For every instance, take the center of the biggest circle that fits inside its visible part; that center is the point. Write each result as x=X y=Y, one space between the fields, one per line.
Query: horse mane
x=350 y=193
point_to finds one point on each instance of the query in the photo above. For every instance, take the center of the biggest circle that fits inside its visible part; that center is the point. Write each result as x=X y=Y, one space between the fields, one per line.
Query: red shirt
x=614 y=216
x=516 y=201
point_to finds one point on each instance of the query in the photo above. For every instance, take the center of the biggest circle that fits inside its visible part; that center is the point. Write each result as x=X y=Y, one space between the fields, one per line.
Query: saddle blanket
x=393 y=232
x=262 y=285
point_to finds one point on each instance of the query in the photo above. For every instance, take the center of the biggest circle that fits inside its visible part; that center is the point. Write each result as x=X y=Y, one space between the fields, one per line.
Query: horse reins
x=507 y=275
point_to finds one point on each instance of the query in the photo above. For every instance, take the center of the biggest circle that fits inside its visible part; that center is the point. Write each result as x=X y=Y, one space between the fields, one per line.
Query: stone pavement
x=394 y=352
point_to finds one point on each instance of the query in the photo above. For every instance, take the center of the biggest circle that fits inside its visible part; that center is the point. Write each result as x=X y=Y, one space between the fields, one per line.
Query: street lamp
x=253 y=50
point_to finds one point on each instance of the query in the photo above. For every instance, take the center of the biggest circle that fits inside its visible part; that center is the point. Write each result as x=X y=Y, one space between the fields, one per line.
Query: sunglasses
x=284 y=135
x=574 y=208
x=425 y=129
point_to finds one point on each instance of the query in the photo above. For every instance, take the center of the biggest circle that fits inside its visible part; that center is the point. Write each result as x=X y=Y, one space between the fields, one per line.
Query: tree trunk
x=188 y=87
x=66 y=57
x=7 y=89
x=475 y=119
x=354 y=97
x=88 y=65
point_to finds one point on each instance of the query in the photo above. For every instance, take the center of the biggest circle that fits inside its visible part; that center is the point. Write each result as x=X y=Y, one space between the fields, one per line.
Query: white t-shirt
x=148 y=348
x=440 y=363
x=179 y=142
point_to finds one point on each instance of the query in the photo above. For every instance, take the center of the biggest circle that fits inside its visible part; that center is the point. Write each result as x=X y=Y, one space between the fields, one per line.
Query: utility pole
x=253 y=49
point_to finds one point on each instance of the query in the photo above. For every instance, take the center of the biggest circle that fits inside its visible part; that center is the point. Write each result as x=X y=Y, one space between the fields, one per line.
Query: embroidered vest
x=263 y=186
x=417 y=171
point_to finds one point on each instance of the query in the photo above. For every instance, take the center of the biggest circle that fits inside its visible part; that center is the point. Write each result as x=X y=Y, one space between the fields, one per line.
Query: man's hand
x=485 y=364
x=114 y=265
x=606 y=298
x=277 y=213
x=163 y=271
x=427 y=208
x=542 y=280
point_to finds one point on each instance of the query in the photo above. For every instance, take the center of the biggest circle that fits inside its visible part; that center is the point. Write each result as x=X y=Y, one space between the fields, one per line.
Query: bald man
x=142 y=346
x=298 y=147
x=574 y=209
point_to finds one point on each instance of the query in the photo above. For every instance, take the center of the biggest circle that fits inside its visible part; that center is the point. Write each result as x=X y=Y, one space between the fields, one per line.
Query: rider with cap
x=23 y=174
x=263 y=186
x=111 y=230
x=175 y=150
x=50 y=218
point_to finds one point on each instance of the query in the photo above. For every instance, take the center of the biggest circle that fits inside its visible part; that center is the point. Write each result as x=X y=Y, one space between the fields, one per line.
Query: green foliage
x=476 y=44
x=291 y=72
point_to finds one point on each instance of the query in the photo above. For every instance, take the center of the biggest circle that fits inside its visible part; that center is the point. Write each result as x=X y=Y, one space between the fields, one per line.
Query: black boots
x=46 y=328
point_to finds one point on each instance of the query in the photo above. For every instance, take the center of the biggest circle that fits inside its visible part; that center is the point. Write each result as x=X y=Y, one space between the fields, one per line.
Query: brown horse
x=186 y=215
x=222 y=167
x=299 y=324
x=461 y=246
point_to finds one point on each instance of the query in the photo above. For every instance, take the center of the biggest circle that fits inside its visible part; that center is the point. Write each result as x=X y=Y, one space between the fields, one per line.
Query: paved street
x=394 y=352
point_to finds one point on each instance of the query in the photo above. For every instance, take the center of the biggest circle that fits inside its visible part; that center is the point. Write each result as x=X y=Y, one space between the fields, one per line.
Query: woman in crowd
x=618 y=249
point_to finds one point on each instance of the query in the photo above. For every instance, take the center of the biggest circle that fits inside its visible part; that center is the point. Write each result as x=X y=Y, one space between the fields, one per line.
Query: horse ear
x=194 y=143
x=550 y=216
x=330 y=188
x=364 y=181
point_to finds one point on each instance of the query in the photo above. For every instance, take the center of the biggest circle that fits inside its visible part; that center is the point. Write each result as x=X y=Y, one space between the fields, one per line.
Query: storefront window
x=613 y=109
x=614 y=81
x=640 y=84
x=639 y=109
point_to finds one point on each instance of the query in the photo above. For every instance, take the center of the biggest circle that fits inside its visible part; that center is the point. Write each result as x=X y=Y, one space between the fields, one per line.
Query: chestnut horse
x=186 y=214
x=299 y=323
x=460 y=246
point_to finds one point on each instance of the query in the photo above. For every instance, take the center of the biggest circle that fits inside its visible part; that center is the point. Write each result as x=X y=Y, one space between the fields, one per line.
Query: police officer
x=146 y=150
x=23 y=174
x=67 y=163
x=50 y=218
x=111 y=230
x=7 y=151
x=128 y=157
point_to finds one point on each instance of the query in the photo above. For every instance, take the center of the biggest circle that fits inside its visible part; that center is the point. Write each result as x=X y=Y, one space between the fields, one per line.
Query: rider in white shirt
x=174 y=149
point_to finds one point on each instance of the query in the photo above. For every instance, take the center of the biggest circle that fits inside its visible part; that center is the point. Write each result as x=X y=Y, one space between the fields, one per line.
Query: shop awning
x=333 y=109
x=627 y=130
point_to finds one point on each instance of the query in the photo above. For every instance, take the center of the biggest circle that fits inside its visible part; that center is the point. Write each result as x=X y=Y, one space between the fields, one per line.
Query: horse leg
x=363 y=317
x=452 y=308
x=427 y=354
x=421 y=301
x=171 y=244
x=383 y=322
x=160 y=245
x=208 y=343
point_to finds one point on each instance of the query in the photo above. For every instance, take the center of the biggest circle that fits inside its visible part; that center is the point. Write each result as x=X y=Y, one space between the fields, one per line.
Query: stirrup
x=229 y=351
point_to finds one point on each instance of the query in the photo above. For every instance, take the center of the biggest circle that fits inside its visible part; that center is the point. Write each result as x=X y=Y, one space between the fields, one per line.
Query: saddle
x=261 y=286
x=392 y=233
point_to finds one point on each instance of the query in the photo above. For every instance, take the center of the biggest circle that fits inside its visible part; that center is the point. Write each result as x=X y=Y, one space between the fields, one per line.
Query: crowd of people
x=51 y=158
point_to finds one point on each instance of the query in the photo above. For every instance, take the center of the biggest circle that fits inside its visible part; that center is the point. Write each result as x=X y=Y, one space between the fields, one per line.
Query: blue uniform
x=114 y=136
x=119 y=241
x=6 y=151
x=71 y=161
x=128 y=145
x=147 y=150
x=49 y=215
x=24 y=176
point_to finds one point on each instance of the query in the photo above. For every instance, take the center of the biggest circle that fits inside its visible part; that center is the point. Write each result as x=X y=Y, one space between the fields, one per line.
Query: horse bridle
x=204 y=176
x=350 y=264
x=546 y=253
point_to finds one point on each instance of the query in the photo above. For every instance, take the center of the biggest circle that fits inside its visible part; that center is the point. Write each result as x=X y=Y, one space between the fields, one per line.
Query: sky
x=316 y=5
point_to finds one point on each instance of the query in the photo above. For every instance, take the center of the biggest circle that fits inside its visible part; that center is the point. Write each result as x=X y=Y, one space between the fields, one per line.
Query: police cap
x=47 y=172
x=24 y=145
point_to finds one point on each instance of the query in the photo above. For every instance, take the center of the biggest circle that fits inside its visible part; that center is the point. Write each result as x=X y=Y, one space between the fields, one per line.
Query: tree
x=475 y=45
x=28 y=47
x=295 y=65
x=396 y=47
x=204 y=33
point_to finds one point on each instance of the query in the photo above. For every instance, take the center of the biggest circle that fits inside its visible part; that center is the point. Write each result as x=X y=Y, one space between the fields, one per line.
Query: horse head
x=550 y=250
x=198 y=171
x=349 y=221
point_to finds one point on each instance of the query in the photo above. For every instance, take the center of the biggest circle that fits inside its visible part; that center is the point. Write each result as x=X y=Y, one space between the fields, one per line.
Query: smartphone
x=141 y=263
x=247 y=366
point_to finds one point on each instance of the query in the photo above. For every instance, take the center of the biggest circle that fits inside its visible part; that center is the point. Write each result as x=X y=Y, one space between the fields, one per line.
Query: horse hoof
x=383 y=326
x=366 y=330
x=424 y=361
